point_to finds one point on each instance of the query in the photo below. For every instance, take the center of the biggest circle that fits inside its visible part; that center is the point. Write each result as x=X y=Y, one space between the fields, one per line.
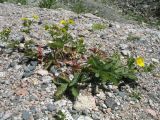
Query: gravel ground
x=32 y=98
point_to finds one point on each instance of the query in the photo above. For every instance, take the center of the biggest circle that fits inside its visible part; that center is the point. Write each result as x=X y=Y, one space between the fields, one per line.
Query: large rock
x=84 y=102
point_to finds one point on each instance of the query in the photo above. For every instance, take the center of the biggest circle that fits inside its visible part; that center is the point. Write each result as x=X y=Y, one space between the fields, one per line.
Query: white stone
x=123 y=46
x=117 y=26
x=155 y=60
x=2 y=74
x=71 y=76
x=101 y=96
x=47 y=79
x=109 y=94
x=42 y=72
x=84 y=102
x=67 y=114
x=132 y=103
x=84 y=118
x=21 y=46
x=126 y=52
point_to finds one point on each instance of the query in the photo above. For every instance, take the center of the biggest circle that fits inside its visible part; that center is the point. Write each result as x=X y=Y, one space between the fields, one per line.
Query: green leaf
x=149 y=68
x=108 y=66
x=77 y=77
x=60 y=115
x=56 y=44
x=61 y=89
x=132 y=77
x=110 y=77
x=130 y=62
x=95 y=62
x=61 y=80
x=74 y=91
x=97 y=74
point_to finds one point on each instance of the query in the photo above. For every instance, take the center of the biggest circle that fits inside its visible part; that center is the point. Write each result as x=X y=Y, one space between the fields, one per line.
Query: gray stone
x=111 y=103
x=103 y=36
x=46 y=79
x=12 y=64
x=18 y=37
x=25 y=115
x=122 y=94
x=27 y=74
x=33 y=97
x=154 y=97
x=7 y=82
x=7 y=115
x=22 y=39
x=23 y=60
x=96 y=116
x=53 y=70
x=40 y=22
x=2 y=45
x=8 y=51
x=85 y=112
x=75 y=116
x=37 y=116
x=44 y=86
x=31 y=68
x=123 y=46
x=51 y=107
x=2 y=81
x=103 y=105
x=1 y=114
x=15 y=99
x=26 y=69
x=34 y=63
x=126 y=52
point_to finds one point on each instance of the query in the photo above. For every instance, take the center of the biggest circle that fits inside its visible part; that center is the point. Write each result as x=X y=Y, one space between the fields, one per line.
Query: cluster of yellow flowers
x=35 y=17
x=65 y=22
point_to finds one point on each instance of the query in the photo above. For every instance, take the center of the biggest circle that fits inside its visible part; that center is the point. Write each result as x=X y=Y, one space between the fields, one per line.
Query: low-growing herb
x=66 y=86
x=98 y=26
x=111 y=70
x=60 y=115
x=136 y=95
x=132 y=37
x=4 y=34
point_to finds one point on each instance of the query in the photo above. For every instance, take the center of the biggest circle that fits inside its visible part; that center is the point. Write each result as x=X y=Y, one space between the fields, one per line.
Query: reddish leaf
x=40 y=54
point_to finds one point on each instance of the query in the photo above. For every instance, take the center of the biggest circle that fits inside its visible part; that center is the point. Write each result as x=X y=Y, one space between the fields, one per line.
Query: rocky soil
x=27 y=91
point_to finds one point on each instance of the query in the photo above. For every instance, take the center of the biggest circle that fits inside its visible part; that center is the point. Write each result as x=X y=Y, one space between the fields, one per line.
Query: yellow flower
x=24 y=19
x=63 y=30
x=36 y=17
x=140 y=61
x=63 y=22
x=70 y=21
